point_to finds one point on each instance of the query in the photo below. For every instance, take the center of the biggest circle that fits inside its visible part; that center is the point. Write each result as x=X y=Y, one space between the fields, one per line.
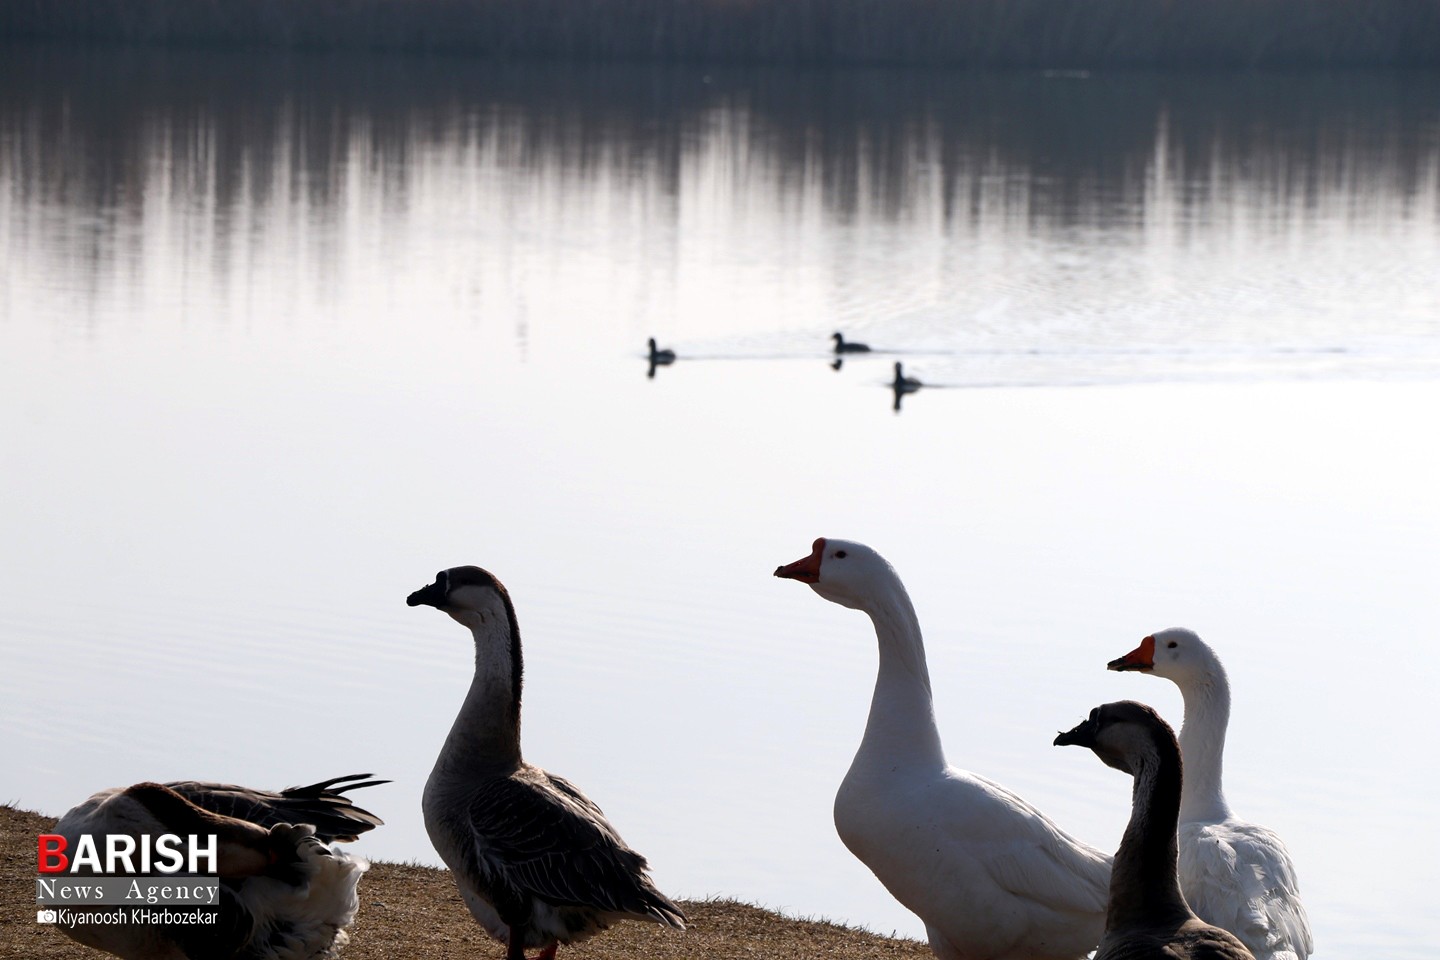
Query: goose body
x=1235 y=874
x=990 y=875
x=536 y=862
x=287 y=892
x=844 y=346
x=1147 y=918
x=660 y=357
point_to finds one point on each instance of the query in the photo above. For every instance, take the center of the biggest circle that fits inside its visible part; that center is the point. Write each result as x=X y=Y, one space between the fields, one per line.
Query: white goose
x=535 y=860
x=287 y=892
x=991 y=876
x=1235 y=874
x=1147 y=918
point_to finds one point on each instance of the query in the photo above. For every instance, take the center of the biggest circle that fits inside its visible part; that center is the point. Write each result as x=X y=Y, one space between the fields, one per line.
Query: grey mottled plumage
x=286 y=891
x=537 y=863
x=322 y=805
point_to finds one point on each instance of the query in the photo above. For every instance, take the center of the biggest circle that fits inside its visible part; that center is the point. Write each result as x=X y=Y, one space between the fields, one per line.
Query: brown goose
x=1147 y=917
x=287 y=892
x=535 y=860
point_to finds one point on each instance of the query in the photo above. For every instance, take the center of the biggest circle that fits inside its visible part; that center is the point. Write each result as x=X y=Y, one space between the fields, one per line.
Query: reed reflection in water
x=1068 y=212
x=280 y=338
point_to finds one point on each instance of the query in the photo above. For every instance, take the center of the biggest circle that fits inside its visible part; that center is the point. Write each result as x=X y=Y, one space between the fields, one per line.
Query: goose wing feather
x=1155 y=950
x=539 y=834
x=1034 y=859
x=322 y=805
x=1199 y=942
x=1239 y=876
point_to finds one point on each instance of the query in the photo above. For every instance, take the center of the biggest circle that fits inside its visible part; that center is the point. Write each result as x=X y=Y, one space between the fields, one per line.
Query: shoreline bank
x=407 y=910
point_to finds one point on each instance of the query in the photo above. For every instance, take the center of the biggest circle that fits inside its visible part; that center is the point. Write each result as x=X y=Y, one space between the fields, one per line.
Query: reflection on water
x=1064 y=150
x=279 y=338
x=1149 y=208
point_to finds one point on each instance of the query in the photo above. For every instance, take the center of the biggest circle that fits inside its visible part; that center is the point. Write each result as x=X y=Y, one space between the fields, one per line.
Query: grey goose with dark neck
x=535 y=860
x=1147 y=917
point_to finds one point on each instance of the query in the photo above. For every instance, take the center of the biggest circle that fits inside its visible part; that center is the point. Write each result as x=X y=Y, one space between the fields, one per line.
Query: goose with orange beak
x=1235 y=874
x=989 y=874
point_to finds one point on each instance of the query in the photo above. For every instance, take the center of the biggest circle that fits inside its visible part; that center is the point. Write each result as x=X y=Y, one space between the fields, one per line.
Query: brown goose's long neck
x=1144 y=884
x=487 y=730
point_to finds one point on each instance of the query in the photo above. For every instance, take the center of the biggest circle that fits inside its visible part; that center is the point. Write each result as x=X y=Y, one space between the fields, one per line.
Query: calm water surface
x=279 y=339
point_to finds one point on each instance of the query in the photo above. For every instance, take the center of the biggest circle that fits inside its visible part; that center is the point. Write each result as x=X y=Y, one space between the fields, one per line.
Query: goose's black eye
x=839 y=554
x=1172 y=645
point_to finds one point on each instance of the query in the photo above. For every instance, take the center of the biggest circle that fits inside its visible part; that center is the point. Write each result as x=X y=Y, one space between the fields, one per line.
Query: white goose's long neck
x=486 y=732
x=1202 y=747
x=902 y=712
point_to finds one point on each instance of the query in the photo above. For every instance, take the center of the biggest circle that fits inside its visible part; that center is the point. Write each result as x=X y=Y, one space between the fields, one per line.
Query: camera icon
x=45 y=916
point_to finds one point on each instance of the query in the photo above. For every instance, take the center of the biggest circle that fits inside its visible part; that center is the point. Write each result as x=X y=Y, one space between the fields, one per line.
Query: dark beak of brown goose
x=1082 y=735
x=432 y=596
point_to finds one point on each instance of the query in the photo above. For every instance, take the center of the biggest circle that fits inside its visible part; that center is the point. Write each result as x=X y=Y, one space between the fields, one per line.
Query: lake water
x=281 y=338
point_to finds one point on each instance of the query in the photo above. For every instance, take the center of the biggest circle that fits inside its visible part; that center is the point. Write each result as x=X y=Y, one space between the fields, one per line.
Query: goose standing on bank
x=990 y=875
x=535 y=860
x=287 y=892
x=1235 y=874
x=1147 y=917
x=842 y=346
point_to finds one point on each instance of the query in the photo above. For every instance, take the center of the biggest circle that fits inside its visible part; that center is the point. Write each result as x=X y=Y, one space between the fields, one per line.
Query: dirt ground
x=410 y=912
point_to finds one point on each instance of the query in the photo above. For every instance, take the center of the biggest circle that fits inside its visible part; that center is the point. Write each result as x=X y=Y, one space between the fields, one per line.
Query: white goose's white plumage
x=288 y=892
x=1235 y=874
x=535 y=861
x=991 y=876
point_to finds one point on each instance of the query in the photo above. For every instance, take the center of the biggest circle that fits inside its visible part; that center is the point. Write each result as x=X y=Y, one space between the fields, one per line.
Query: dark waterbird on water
x=841 y=346
x=659 y=358
x=902 y=384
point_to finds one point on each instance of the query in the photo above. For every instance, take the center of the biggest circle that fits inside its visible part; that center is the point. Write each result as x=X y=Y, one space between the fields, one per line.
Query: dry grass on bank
x=413 y=912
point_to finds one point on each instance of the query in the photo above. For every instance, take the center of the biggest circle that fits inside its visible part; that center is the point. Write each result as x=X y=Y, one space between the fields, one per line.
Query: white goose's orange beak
x=807 y=570
x=1141 y=658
